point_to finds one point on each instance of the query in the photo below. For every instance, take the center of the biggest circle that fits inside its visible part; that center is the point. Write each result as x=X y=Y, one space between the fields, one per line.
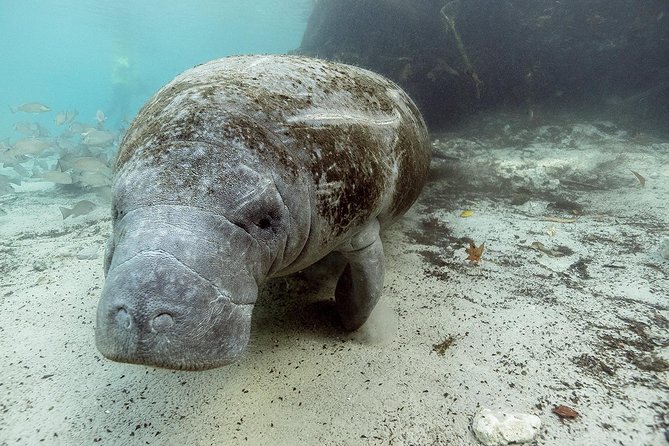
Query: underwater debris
x=580 y=184
x=441 y=68
x=562 y=205
x=474 y=252
x=469 y=68
x=580 y=268
x=558 y=219
x=89 y=253
x=40 y=265
x=565 y=412
x=466 y=213
x=560 y=251
x=651 y=363
x=441 y=347
x=664 y=248
x=641 y=178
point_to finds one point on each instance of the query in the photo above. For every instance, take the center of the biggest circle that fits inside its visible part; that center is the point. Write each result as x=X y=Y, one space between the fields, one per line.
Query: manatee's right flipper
x=360 y=285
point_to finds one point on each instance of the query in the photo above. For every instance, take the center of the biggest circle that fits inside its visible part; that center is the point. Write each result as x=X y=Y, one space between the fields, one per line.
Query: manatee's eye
x=116 y=214
x=264 y=223
x=264 y=216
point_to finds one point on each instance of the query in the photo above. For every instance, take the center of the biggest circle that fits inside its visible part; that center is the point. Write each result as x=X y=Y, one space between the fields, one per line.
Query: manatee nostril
x=122 y=318
x=162 y=322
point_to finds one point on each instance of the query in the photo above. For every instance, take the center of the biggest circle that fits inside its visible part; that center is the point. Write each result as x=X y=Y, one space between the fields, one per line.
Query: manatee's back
x=358 y=134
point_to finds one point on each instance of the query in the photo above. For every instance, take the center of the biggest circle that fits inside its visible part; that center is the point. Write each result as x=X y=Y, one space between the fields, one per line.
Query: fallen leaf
x=639 y=177
x=565 y=412
x=466 y=213
x=474 y=252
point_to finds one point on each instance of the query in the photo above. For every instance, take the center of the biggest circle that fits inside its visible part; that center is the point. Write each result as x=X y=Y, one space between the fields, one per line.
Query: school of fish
x=77 y=155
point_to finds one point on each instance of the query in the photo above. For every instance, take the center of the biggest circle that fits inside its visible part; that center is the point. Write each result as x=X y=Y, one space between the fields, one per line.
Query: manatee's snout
x=156 y=311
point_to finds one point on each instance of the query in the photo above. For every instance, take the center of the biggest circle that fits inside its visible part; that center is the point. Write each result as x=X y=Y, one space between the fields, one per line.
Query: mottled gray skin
x=243 y=169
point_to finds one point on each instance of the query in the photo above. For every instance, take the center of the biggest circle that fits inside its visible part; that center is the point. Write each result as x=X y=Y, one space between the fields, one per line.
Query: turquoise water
x=112 y=55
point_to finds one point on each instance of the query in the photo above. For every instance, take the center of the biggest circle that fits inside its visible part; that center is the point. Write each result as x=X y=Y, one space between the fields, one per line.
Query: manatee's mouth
x=189 y=365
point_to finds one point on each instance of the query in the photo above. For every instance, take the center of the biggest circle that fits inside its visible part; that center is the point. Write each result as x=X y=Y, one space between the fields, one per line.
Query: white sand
x=589 y=330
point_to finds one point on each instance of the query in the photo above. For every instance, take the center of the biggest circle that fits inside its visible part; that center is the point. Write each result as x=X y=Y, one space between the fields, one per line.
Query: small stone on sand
x=494 y=428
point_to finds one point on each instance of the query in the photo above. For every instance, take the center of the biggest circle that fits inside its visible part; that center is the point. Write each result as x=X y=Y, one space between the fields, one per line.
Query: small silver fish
x=30 y=107
x=55 y=176
x=60 y=118
x=15 y=180
x=26 y=128
x=98 y=138
x=5 y=186
x=31 y=129
x=9 y=158
x=30 y=146
x=65 y=145
x=93 y=179
x=81 y=208
x=78 y=127
x=21 y=171
x=86 y=164
x=41 y=130
x=100 y=117
x=65 y=117
x=41 y=163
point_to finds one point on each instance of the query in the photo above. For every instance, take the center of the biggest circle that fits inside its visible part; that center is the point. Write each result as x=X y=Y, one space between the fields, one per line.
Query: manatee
x=244 y=169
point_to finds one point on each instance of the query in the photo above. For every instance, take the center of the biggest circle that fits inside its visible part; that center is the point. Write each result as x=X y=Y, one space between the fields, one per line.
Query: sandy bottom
x=569 y=305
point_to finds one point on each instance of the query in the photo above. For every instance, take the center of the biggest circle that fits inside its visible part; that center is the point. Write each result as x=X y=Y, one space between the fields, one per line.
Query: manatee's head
x=195 y=233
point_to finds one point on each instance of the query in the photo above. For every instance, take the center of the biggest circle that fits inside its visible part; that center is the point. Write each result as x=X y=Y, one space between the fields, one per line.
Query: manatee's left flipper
x=360 y=285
